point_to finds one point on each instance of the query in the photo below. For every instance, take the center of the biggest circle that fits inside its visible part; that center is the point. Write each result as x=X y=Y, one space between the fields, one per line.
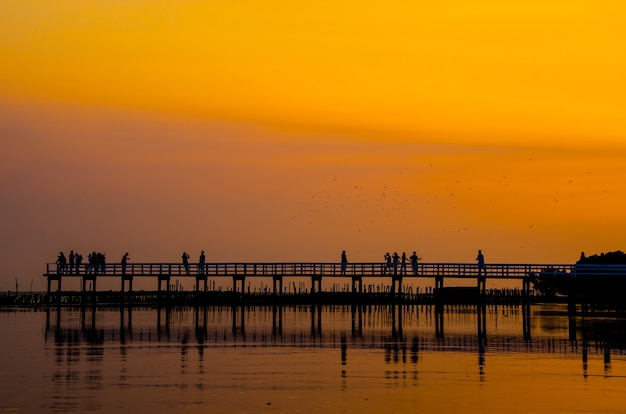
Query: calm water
x=312 y=359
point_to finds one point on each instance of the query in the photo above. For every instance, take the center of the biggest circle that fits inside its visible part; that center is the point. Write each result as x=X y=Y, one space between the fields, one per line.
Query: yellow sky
x=525 y=69
x=239 y=126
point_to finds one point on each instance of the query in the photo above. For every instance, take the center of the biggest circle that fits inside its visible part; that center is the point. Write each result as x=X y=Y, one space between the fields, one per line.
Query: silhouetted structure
x=201 y=261
x=124 y=262
x=61 y=263
x=481 y=263
x=414 y=263
x=186 y=262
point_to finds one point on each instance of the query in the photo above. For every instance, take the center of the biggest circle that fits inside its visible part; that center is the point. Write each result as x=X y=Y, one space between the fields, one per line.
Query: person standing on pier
x=124 y=262
x=79 y=261
x=344 y=262
x=91 y=260
x=102 y=261
x=72 y=257
x=481 y=263
x=387 y=267
x=396 y=259
x=61 y=262
x=414 y=260
x=186 y=262
x=201 y=263
x=403 y=263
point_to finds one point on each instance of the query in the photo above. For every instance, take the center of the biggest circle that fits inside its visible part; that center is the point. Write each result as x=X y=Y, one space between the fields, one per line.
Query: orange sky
x=290 y=131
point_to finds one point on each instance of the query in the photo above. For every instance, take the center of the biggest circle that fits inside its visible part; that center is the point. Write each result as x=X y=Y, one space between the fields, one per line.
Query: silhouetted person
x=403 y=263
x=91 y=258
x=124 y=262
x=344 y=262
x=79 y=261
x=186 y=262
x=414 y=260
x=201 y=263
x=98 y=262
x=61 y=263
x=102 y=261
x=481 y=263
x=396 y=259
x=71 y=257
x=387 y=263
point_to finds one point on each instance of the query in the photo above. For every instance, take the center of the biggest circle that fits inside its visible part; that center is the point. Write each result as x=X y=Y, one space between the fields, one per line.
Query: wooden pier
x=315 y=272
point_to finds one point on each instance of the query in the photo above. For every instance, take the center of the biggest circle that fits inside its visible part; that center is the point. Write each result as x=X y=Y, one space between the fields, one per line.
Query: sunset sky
x=289 y=131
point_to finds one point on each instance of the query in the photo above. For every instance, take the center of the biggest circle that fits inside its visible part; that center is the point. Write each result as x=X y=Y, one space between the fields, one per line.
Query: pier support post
x=166 y=279
x=438 y=291
x=92 y=278
x=278 y=280
x=482 y=285
x=396 y=279
x=243 y=283
x=526 y=287
x=58 y=279
x=438 y=295
x=317 y=279
x=201 y=278
x=439 y=282
x=357 y=280
x=128 y=278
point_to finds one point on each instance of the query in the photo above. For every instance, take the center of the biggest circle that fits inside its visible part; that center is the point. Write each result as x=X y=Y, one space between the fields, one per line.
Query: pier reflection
x=403 y=333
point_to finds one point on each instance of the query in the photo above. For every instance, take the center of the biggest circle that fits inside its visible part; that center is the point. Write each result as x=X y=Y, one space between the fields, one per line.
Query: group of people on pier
x=73 y=264
x=393 y=261
x=201 y=262
x=96 y=263
x=393 y=264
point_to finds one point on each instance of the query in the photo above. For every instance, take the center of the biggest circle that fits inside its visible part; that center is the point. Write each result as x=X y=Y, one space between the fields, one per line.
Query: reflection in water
x=69 y=362
x=396 y=329
x=188 y=359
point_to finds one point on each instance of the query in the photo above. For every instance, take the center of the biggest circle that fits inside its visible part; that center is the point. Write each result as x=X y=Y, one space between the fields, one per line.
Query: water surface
x=312 y=359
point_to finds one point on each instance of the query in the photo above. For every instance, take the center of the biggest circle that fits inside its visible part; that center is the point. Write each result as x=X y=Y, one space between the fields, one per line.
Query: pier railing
x=289 y=269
